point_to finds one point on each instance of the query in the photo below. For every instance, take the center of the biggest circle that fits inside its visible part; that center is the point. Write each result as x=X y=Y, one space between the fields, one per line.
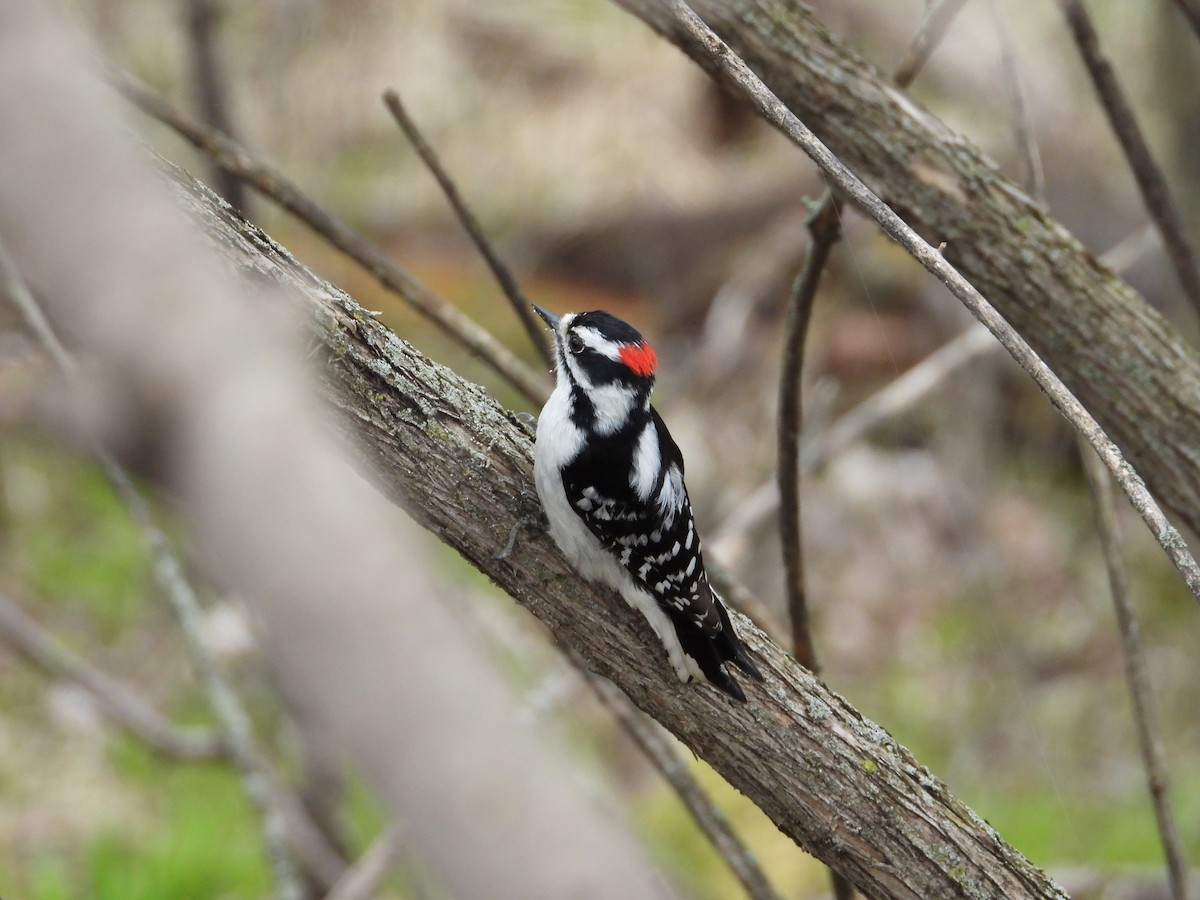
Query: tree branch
x=731 y=69
x=654 y=743
x=824 y=226
x=504 y=277
x=1136 y=678
x=121 y=705
x=1149 y=177
x=835 y=783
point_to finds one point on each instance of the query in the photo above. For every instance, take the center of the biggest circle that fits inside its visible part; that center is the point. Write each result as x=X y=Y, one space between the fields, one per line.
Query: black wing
x=659 y=548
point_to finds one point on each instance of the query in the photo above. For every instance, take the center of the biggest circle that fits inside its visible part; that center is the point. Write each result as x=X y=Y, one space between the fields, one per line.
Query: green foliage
x=67 y=540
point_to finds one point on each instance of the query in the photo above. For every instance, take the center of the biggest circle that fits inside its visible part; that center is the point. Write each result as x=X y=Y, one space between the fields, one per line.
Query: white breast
x=558 y=442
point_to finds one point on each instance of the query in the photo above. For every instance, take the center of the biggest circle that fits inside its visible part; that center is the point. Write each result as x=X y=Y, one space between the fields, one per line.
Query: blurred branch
x=275 y=186
x=1120 y=357
x=733 y=70
x=362 y=880
x=894 y=399
x=206 y=391
x=1150 y=179
x=118 y=703
x=233 y=722
x=512 y=290
x=899 y=396
x=208 y=83
x=649 y=738
x=1136 y=677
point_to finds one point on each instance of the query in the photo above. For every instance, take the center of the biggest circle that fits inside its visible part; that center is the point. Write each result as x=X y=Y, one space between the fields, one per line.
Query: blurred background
x=958 y=593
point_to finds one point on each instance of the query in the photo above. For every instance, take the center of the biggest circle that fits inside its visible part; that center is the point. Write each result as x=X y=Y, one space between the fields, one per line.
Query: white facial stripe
x=595 y=341
x=598 y=342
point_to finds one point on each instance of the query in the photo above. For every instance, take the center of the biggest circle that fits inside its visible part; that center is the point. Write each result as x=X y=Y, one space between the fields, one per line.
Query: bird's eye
x=575 y=344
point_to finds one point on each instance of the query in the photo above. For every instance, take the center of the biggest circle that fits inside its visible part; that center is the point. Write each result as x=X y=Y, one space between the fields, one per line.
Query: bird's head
x=595 y=350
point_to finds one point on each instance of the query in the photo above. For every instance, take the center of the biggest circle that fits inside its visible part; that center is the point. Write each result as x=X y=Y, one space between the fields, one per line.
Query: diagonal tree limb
x=729 y=67
x=835 y=783
x=501 y=272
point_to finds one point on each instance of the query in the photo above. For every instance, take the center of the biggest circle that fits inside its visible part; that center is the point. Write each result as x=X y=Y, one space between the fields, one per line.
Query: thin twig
x=120 y=704
x=361 y=881
x=938 y=16
x=651 y=740
x=504 y=277
x=208 y=83
x=273 y=185
x=824 y=226
x=739 y=76
x=1145 y=720
x=1033 y=176
x=1100 y=489
x=233 y=721
x=896 y=398
x=1150 y=179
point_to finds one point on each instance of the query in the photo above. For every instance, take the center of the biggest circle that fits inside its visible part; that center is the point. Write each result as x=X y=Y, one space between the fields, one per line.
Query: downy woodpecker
x=611 y=480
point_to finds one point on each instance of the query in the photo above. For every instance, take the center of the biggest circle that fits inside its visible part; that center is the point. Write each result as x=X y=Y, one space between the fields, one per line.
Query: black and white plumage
x=611 y=480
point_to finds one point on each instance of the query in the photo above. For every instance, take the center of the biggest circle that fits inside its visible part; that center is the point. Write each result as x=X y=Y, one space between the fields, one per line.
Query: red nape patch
x=640 y=358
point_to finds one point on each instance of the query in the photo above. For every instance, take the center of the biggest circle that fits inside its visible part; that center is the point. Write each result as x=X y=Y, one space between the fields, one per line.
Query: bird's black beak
x=548 y=317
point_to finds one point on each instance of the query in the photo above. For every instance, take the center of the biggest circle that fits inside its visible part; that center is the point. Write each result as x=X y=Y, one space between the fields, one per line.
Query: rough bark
x=837 y=784
x=1123 y=360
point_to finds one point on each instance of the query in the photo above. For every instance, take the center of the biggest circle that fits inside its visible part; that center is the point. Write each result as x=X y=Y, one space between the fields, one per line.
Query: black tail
x=712 y=653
